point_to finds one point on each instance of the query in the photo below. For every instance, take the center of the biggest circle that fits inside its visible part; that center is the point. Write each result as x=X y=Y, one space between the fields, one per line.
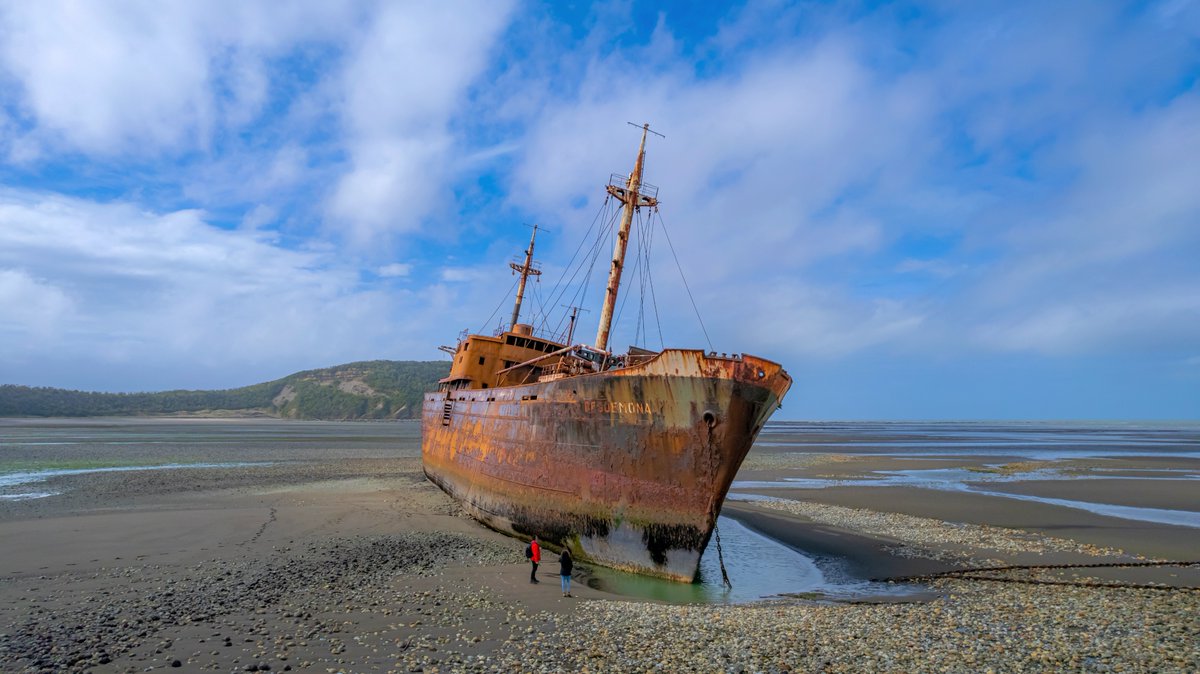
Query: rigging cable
x=653 y=296
x=497 y=309
x=537 y=297
x=625 y=298
x=602 y=237
x=641 y=332
x=970 y=574
x=685 y=283
x=647 y=279
x=557 y=293
x=593 y=255
x=644 y=270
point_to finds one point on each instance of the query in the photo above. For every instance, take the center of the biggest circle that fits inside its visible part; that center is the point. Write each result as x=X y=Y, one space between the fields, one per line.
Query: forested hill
x=375 y=389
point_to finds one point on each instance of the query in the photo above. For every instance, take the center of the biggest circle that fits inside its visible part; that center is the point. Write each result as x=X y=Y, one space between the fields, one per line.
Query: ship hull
x=628 y=467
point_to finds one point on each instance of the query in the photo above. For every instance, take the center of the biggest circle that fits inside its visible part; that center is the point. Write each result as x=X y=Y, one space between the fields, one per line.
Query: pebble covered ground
x=975 y=628
x=935 y=539
x=430 y=601
x=345 y=609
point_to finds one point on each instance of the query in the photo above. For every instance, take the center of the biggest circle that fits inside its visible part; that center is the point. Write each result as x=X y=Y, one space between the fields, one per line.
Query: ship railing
x=637 y=355
x=622 y=182
x=518 y=263
x=561 y=352
x=545 y=335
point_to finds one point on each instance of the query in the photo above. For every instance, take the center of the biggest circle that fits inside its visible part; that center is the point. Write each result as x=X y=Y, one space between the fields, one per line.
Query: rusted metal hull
x=628 y=467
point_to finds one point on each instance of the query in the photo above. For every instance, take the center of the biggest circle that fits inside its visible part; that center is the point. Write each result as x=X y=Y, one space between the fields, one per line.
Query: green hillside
x=375 y=389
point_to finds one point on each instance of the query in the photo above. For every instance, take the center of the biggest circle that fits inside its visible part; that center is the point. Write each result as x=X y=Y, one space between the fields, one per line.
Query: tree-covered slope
x=377 y=389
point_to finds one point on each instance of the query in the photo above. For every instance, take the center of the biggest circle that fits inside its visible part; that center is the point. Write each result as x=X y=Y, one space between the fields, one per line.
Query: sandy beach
x=294 y=562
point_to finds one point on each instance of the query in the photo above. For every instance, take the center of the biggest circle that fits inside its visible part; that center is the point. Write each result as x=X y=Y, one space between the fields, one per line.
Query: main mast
x=633 y=200
x=525 y=270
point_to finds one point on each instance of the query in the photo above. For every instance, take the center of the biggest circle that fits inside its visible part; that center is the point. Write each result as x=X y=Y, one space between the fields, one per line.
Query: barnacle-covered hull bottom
x=627 y=467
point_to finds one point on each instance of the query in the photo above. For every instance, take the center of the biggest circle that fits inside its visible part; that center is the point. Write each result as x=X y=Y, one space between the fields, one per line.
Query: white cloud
x=123 y=286
x=460 y=275
x=761 y=158
x=105 y=78
x=33 y=309
x=938 y=268
x=147 y=77
x=396 y=269
x=258 y=216
x=1167 y=317
x=402 y=85
x=1108 y=262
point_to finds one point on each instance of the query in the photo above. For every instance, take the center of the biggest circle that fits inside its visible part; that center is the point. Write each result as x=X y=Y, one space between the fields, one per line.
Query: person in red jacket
x=534 y=557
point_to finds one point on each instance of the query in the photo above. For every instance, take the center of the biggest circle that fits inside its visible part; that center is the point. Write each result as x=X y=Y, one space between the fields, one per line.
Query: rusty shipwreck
x=624 y=458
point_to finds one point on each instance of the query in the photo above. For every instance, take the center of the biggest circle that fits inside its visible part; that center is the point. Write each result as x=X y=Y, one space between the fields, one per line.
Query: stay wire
x=537 y=297
x=560 y=288
x=555 y=292
x=497 y=309
x=641 y=264
x=603 y=242
x=653 y=296
x=581 y=291
x=648 y=279
x=685 y=283
x=641 y=334
x=625 y=298
x=643 y=256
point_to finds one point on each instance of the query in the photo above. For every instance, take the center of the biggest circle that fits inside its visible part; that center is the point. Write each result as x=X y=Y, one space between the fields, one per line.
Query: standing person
x=535 y=556
x=565 y=563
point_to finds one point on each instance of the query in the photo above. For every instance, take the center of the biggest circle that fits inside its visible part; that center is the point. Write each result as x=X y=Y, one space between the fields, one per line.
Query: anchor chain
x=721 y=559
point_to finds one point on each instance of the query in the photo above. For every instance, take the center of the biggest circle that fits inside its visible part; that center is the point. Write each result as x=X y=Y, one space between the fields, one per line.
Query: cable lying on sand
x=969 y=574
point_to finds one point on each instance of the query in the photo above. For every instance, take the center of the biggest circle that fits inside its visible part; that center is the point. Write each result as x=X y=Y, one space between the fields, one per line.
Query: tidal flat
x=258 y=545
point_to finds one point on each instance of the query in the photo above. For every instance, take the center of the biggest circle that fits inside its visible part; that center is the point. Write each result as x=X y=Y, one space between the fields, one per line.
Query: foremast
x=633 y=199
x=525 y=270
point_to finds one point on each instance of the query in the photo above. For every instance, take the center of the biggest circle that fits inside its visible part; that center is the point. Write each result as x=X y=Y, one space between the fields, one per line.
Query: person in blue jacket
x=565 y=564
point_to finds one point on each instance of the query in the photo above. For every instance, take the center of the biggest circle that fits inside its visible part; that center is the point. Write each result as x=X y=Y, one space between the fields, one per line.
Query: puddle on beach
x=13 y=486
x=759 y=568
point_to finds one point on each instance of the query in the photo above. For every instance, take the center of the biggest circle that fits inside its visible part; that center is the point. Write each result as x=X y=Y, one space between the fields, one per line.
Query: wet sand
x=357 y=572
x=356 y=563
x=1147 y=539
x=1161 y=493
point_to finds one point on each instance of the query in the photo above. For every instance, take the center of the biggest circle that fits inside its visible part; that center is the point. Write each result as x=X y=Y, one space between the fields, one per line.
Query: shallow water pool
x=759 y=568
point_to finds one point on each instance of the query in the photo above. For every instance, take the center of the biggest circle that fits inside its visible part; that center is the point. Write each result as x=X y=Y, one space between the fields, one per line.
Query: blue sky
x=923 y=210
